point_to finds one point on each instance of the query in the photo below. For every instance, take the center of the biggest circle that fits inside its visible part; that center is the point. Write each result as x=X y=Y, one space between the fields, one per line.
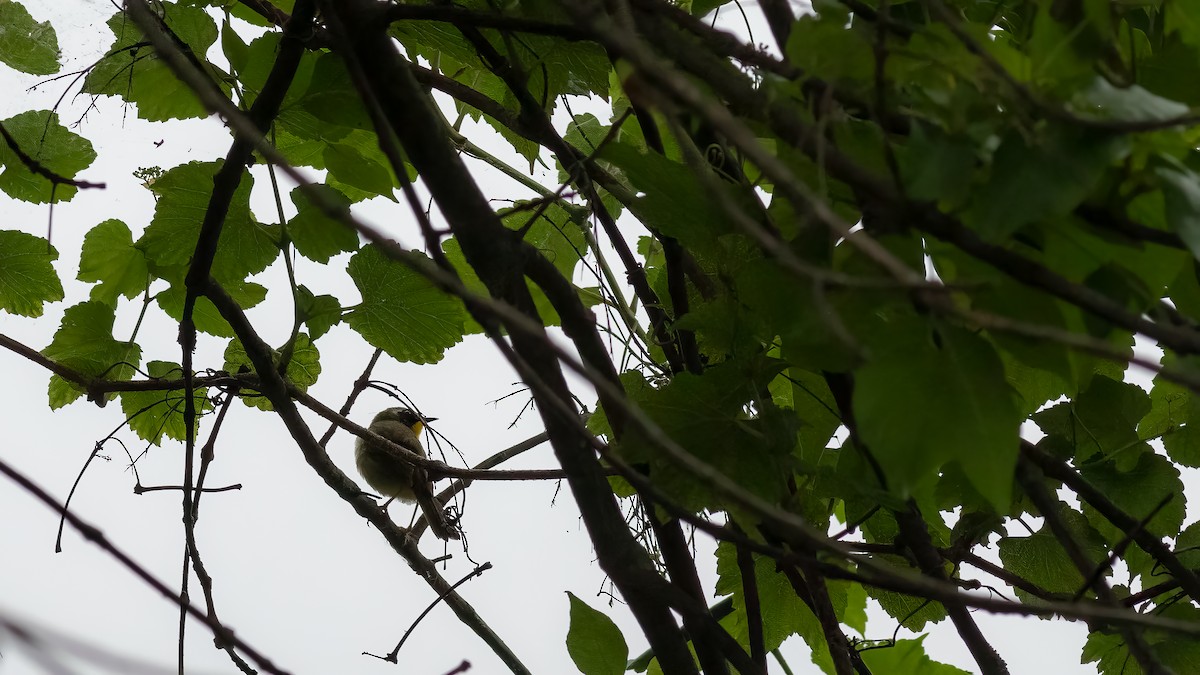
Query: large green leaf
x=132 y=70
x=938 y=398
x=553 y=231
x=205 y=315
x=1042 y=179
x=1101 y=421
x=822 y=44
x=49 y=144
x=350 y=168
x=245 y=247
x=1181 y=192
x=674 y=201
x=154 y=415
x=1139 y=492
x=27 y=45
x=27 y=277
x=594 y=641
x=401 y=312
x=85 y=343
x=315 y=235
x=1175 y=418
x=303 y=368
x=707 y=415
x=318 y=312
x=110 y=259
x=1042 y=559
x=1173 y=651
x=908 y=657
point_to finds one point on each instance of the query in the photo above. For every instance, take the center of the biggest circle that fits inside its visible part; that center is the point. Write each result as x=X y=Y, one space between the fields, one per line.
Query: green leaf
x=305 y=366
x=331 y=96
x=84 y=343
x=1045 y=179
x=925 y=403
x=937 y=166
x=134 y=71
x=554 y=232
x=45 y=141
x=1181 y=192
x=1101 y=421
x=205 y=315
x=706 y=414
x=401 y=312
x=594 y=641
x=155 y=414
x=854 y=612
x=318 y=312
x=1164 y=71
x=1128 y=104
x=912 y=613
x=252 y=17
x=674 y=200
x=236 y=361
x=110 y=258
x=27 y=279
x=1183 y=19
x=1139 y=492
x=1176 y=652
x=810 y=397
x=1175 y=418
x=245 y=247
x=1041 y=558
x=908 y=657
x=254 y=68
x=824 y=45
x=237 y=52
x=585 y=133
x=27 y=45
x=315 y=235
x=349 y=167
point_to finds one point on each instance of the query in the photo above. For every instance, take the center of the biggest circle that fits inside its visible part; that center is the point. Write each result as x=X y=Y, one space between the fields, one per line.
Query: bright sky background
x=297 y=574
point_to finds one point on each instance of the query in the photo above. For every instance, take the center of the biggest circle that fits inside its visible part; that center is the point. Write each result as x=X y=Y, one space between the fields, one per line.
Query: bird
x=396 y=477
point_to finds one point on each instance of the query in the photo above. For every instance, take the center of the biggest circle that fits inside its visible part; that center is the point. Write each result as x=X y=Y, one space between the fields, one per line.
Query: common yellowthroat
x=395 y=477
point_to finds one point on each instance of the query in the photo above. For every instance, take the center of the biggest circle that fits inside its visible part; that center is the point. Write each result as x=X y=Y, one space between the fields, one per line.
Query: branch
x=360 y=385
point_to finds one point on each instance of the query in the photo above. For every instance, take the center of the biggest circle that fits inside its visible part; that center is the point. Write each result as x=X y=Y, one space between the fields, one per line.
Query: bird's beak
x=429 y=419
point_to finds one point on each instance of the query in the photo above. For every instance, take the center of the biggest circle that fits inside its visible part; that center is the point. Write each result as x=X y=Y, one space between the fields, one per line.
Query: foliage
x=887 y=284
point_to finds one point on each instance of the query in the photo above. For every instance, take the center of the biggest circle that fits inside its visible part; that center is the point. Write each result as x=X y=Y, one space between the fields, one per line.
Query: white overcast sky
x=297 y=574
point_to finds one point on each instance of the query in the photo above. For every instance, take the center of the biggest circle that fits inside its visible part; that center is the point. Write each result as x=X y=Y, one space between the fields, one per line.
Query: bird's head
x=405 y=416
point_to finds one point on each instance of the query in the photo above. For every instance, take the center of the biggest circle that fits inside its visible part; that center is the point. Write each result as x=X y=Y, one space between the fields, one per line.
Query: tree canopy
x=902 y=304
